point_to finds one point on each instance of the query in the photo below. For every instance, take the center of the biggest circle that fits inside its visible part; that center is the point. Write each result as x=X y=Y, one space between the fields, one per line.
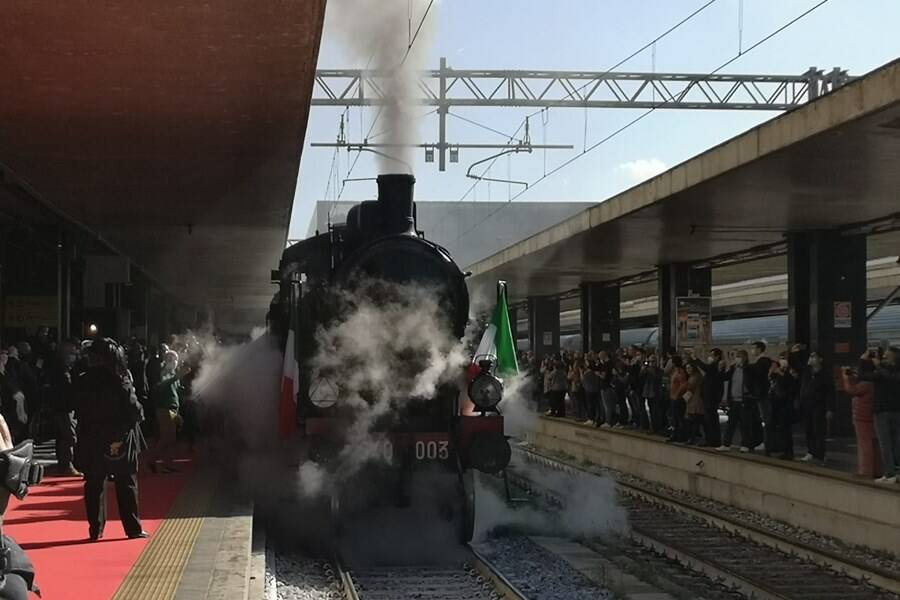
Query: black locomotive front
x=379 y=251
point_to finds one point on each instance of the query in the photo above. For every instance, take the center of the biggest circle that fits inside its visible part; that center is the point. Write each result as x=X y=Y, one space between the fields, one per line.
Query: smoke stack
x=395 y=196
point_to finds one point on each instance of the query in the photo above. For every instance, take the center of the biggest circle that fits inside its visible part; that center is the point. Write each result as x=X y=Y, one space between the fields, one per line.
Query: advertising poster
x=694 y=322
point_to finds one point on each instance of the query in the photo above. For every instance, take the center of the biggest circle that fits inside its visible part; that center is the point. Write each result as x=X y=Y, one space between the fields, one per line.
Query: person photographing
x=166 y=402
x=18 y=471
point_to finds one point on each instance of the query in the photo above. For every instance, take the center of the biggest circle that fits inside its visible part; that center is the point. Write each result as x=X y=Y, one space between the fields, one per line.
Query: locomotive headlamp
x=323 y=393
x=485 y=391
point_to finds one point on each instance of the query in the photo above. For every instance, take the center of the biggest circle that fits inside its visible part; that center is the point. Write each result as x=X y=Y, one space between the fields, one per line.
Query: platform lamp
x=454 y=154
x=429 y=154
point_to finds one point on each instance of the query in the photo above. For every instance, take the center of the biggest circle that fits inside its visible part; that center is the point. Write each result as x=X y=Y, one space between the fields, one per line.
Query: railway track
x=476 y=578
x=759 y=563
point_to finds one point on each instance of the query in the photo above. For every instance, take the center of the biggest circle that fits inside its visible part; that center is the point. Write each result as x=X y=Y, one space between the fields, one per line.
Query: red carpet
x=50 y=525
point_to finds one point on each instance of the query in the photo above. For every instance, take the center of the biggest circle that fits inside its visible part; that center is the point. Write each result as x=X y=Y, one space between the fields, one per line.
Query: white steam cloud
x=380 y=357
x=379 y=33
x=590 y=506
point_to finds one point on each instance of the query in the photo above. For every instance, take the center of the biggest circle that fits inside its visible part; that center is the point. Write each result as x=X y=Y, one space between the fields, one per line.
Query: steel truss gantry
x=445 y=88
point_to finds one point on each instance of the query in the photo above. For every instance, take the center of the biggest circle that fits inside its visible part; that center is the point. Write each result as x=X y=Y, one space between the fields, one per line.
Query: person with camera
x=886 y=411
x=863 y=393
x=713 y=389
x=18 y=471
x=166 y=398
x=783 y=385
x=109 y=437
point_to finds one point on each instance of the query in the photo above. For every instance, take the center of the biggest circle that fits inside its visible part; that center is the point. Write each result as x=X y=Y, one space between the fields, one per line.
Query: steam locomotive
x=380 y=243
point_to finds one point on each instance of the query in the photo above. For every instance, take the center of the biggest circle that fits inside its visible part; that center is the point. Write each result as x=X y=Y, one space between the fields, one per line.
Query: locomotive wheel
x=467 y=500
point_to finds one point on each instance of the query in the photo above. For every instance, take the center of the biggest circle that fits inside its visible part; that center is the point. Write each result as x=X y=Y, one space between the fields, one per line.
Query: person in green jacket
x=164 y=398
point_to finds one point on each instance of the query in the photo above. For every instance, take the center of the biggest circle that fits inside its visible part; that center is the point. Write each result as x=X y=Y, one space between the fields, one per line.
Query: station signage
x=693 y=321
x=843 y=315
x=30 y=311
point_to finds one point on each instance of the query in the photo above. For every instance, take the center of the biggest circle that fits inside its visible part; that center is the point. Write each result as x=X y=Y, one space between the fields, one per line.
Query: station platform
x=829 y=501
x=199 y=545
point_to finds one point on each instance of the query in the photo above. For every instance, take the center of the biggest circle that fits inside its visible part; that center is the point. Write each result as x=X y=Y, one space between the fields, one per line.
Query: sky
x=858 y=35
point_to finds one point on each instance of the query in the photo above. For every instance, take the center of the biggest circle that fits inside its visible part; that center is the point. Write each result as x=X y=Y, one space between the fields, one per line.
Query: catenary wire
x=641 y=117
x=649 y=44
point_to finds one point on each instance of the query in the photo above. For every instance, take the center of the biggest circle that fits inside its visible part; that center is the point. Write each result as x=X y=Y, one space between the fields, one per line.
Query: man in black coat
x=109 y=437
x=817 y=399
x=713 y=391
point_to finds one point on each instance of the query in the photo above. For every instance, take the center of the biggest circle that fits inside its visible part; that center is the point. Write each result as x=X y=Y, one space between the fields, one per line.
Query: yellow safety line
x=158 y=570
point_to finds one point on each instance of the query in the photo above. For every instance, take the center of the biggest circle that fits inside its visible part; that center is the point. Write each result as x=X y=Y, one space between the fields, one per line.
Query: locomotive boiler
x=376 y=254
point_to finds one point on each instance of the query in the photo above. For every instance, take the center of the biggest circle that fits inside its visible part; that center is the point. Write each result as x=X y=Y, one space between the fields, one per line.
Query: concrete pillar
x=678 y=280
x=827 y=294
x=600 y=317
x=827 y=302
x=543 y=325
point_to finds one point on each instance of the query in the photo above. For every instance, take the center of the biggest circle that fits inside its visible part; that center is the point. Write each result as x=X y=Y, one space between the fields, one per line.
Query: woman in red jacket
x=863 y=392
x=678 y=385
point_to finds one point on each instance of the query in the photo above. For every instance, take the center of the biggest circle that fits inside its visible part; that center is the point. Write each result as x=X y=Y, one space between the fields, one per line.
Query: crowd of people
x=683 y=397
x=105 y=404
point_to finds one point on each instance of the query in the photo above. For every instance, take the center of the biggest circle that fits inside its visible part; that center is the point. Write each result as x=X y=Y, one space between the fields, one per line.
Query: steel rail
x=487 y=570
x=823 y=557
x=485 y=573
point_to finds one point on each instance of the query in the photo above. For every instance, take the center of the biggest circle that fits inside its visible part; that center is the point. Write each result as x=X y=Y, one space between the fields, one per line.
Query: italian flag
x=290 y=380
x=498 y=342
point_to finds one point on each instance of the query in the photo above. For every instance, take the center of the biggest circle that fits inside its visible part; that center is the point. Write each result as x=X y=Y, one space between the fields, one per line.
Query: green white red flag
x=498 y=342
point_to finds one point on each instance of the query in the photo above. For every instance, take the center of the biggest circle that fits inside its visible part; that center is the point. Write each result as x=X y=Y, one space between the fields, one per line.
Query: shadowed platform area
x=51 y=527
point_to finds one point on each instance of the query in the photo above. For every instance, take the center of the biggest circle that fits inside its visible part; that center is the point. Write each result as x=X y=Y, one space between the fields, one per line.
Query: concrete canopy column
x=827 y=294
x=678 y=280
x=600 y=308
x=543 y=325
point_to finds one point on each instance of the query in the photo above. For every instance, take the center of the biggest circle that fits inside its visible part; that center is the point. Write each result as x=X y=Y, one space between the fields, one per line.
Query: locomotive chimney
x=395 y=195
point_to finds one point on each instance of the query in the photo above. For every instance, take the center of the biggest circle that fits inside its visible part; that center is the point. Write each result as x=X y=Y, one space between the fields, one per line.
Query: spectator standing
x=817 y=400
x=13 y=399
x=740 y=416
x=886 y=412
x=863 y=393
x=652 y=392
x=713 y=389
x=759 y=388
x=693 y=399
x=783 y=384
x=166 y=401
x=607 y=390
x=590 y=382
x=109 y=438
x=576 y=391
x=59 y=391
x=677 y=387
x=636 y=401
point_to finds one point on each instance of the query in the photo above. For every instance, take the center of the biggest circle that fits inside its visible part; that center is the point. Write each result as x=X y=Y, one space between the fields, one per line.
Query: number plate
x=431 y=449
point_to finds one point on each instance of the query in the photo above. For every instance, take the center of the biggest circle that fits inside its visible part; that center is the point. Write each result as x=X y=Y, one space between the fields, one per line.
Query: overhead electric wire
x=607 y=72
x=477 y=124
x=642 y=116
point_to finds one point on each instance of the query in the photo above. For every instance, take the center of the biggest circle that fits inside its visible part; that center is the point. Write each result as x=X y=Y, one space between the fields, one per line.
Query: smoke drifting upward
x=378 y=33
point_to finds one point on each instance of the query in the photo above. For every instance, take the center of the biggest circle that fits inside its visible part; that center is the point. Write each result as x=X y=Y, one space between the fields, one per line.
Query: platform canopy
x=832 y=163
x=174 y=130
